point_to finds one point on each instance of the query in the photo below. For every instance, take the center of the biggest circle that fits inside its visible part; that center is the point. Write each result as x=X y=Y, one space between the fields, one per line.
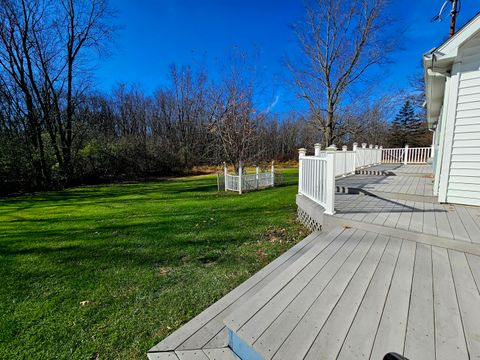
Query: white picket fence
x=406 y=155
x=317 y=173
x=247 y=182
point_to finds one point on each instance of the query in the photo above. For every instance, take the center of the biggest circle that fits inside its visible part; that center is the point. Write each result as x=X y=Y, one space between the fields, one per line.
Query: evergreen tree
x=407 y=128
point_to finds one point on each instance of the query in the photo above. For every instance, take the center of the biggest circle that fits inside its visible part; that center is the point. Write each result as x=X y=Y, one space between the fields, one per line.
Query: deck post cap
x=332 y=147
x=344 y=148
x=364 y=145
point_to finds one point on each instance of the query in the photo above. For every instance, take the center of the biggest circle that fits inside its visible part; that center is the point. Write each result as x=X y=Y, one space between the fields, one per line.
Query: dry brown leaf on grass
x=164 y=270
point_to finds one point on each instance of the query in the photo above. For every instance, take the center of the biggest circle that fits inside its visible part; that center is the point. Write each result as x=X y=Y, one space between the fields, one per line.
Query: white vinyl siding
x=464 y=176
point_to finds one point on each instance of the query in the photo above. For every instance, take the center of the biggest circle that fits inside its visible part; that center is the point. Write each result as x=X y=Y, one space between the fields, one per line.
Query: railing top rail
x=312 y=157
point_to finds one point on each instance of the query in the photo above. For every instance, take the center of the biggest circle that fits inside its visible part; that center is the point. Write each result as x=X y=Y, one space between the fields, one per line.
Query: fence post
x=381 y=154
x=256 y=176
x=330 y=181
x=344 y=149
x=405 y=155
x=354 y=148
x=272 y=171
x=240 y=170
x=376 y=155
x=318 y=148
x=301 y=153
x=225 y=173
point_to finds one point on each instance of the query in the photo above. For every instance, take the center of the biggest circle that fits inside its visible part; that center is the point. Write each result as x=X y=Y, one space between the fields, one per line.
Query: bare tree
x=340 y=41
x=44 y=47
x=236 y=119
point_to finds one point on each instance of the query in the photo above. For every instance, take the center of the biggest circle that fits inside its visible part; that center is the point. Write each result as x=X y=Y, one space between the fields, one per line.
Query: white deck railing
x=406 y=155
x=317 y=173
x=315 y=178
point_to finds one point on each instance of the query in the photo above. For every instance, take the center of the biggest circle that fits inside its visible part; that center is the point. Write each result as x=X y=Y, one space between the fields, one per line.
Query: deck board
x=420 y=335
x=361 y=335
x=449 y=336
x=191 y=355
x=390 y=335
x=251 y=331
x=329 y=340
x=281 y=326
x=468 y=301
x=300 y=339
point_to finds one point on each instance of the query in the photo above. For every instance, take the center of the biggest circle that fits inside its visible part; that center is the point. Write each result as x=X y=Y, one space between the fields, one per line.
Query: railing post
x=381 y=154
x=225 y=173
x=364 y=148
x=318 y=148
x=405 y=155
x=370 y=162
x=256 y=176
x=344 y=149
x=240 y=170
x=330 y=181
x=376 y=155
x=432 y=149
x=301 y=153
x=272 y=170
x=354 y=148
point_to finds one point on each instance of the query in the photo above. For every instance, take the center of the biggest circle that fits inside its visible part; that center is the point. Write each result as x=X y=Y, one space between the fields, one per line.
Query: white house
x=452 y=78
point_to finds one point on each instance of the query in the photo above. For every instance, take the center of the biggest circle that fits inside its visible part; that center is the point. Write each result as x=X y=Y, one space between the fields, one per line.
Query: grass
x=106 y=272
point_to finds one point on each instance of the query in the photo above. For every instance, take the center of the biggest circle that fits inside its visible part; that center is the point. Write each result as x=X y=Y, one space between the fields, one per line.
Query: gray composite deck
x=386 y=274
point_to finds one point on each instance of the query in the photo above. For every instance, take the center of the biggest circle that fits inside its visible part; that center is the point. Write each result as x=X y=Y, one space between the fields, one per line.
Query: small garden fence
x=248 y=181
x=317 y=173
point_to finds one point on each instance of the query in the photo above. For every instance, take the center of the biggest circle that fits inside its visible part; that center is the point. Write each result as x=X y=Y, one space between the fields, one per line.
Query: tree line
x=56 y=130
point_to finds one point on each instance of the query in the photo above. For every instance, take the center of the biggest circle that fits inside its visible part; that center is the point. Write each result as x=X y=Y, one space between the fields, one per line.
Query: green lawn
x=106 y=272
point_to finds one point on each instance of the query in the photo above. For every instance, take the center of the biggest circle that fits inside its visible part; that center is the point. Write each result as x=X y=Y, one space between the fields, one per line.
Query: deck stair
x=374 y=172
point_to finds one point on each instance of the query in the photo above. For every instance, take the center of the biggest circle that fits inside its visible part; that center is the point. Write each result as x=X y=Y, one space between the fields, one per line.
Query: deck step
x=374 y=172
x=420 y=237
x=352 y=190
x=266 y=305
x=224 y=353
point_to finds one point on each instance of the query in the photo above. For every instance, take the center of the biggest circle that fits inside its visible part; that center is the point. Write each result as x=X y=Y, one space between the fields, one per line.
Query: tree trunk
x=330 y=127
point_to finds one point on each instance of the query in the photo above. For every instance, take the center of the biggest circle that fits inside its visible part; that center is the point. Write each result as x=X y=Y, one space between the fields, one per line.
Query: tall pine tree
x=407 y=128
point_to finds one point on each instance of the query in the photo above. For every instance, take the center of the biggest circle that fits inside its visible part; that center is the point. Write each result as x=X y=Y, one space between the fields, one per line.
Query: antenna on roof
x=453 y=14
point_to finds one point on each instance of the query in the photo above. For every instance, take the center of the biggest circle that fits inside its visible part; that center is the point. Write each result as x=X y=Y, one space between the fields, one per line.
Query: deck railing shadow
x=380 y=209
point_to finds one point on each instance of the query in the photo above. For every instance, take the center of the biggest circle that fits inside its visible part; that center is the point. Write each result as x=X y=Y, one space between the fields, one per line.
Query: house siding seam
x=464 y=177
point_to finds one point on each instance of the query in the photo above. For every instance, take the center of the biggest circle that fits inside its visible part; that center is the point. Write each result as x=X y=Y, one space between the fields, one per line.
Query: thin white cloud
x=273 y=104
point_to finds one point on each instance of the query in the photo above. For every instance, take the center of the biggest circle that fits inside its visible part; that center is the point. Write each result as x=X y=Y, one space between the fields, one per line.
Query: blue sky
x=157 y=33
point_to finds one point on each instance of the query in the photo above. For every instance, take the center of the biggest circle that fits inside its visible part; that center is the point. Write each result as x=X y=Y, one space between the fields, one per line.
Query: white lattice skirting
x=308 y=221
